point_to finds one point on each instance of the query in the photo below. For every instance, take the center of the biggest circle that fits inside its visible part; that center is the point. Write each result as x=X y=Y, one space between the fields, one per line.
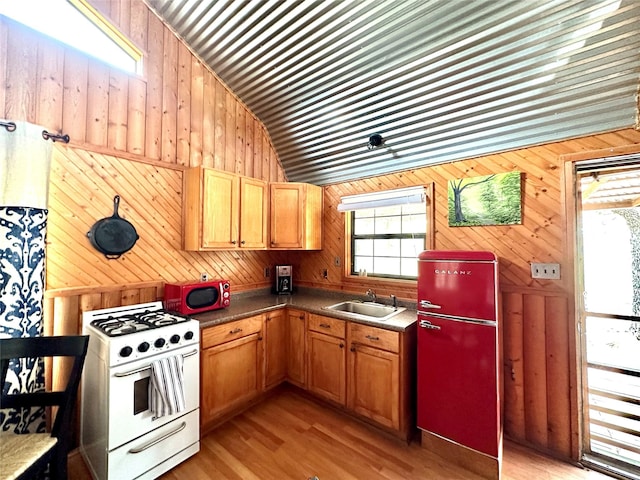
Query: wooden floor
x=290 y=436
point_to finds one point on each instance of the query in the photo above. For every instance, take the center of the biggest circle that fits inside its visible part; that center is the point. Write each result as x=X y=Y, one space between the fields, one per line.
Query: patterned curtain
x=24 y=180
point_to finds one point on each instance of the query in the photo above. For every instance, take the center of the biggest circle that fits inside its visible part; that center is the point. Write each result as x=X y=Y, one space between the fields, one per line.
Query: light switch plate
x=545 y=270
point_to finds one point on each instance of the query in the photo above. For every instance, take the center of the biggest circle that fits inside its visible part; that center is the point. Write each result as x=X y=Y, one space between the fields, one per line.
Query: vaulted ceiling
x=437 y=80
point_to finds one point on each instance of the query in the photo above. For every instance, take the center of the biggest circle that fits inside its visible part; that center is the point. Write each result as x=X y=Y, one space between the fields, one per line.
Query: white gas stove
x=120 y=437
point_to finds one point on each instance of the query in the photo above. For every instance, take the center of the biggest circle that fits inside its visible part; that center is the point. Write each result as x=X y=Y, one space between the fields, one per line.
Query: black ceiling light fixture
x=375 y=141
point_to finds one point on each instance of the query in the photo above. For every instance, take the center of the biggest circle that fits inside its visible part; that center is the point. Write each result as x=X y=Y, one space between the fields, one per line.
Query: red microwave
x=189 y=298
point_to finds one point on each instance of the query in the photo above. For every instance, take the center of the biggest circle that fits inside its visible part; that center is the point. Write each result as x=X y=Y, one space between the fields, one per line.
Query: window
x=387 y=231
x=79 y=25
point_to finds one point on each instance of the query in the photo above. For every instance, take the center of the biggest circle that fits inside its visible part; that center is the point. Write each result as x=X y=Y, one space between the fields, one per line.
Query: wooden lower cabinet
x=297 y=347
x=326 y=358
x=374 y=384
x=368 y=370
x=380 y=376
x=231 y=370
x=275 y=348
x=327 y=366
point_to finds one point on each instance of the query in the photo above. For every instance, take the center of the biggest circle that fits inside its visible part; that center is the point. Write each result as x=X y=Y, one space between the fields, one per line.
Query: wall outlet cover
x=550 y=271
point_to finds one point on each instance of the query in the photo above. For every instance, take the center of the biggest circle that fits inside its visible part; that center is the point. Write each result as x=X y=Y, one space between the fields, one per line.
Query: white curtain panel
x=25 y=159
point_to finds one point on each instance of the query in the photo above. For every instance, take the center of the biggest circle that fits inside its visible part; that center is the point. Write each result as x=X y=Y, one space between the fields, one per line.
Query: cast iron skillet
x=113 y=236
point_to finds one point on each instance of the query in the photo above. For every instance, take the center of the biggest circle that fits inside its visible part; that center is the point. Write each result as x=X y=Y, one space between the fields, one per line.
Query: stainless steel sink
x=367 y=310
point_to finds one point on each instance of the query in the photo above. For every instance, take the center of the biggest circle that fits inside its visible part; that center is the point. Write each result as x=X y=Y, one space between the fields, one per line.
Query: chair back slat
x=74 y=346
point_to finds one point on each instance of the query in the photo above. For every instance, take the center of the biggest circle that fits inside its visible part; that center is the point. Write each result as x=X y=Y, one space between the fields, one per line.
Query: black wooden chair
x=27 y=456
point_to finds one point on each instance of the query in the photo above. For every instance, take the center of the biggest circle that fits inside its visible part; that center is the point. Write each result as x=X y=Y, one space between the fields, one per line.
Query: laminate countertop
x=245 y=305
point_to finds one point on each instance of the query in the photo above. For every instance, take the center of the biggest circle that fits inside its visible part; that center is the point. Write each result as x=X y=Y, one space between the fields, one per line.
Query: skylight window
x=79 y=25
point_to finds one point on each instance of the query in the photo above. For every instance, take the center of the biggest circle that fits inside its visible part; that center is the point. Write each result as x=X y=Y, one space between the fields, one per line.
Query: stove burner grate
x=116 y=325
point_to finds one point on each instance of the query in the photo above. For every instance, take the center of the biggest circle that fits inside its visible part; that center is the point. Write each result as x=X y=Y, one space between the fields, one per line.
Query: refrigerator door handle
x=428 y=304
x=429 y=325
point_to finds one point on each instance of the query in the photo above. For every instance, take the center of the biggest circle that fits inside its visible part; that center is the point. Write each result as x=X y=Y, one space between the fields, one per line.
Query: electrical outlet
x=336 y=261
x=267 y=272
x=204 y=276
x=545 y=270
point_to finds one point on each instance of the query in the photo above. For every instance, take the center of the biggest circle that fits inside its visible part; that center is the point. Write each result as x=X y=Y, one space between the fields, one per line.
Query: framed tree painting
x=489 y=200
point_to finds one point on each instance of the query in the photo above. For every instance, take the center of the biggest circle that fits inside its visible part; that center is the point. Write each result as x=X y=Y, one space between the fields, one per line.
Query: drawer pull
x=372 y=338
x=235 y=330
x=158 y=440
x=325 y=325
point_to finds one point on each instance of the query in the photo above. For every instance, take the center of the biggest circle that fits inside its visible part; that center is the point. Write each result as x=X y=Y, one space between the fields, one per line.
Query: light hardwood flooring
x=290 y=436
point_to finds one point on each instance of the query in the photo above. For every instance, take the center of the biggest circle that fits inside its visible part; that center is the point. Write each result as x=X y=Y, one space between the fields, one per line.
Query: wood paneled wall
x=177 y=112
x=133 y=134
x=538 y=321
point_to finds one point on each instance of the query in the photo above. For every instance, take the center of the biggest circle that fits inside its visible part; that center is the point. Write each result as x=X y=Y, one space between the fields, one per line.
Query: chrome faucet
x=371 y=294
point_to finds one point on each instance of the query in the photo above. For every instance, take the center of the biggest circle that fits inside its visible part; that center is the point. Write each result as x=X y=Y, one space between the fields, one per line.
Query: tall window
x=386 y=231
x=79 y=25
x=386 y=241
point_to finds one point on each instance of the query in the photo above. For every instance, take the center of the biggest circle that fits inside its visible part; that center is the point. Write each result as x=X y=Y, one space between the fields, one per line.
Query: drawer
x=226 y=332
x=374 y=337
x=327 y=325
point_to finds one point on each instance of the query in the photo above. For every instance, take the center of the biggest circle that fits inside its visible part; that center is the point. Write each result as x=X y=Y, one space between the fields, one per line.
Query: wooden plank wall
x=134 y=135
x=538 y=323
x=178 y=112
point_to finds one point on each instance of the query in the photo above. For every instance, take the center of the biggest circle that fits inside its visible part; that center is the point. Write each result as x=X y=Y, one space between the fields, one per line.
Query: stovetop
x=116 y=324
x=122 y=335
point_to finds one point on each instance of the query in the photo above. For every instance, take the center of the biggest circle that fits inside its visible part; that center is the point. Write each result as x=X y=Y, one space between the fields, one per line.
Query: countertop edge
x=259 y=304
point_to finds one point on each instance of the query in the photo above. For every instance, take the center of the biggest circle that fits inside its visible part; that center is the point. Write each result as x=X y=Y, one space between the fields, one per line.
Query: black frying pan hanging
x=113 y=235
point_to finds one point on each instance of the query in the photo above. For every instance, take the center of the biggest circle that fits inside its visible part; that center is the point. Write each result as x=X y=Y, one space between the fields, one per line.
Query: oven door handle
x=147 y=367
x=159 y=439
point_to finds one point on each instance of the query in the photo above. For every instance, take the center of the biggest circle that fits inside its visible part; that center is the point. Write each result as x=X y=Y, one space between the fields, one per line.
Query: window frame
x=429 y=241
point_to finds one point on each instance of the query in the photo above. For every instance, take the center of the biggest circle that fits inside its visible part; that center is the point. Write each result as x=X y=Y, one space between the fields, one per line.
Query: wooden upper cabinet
x=295 y=216
x=254 y=198
x=224 y=211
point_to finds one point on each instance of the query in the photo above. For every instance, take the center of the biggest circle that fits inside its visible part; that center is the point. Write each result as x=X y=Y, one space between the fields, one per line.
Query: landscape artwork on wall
x=489 y=200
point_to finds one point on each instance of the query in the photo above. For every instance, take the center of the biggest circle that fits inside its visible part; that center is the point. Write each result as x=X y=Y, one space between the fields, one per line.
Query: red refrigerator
x=458 y=350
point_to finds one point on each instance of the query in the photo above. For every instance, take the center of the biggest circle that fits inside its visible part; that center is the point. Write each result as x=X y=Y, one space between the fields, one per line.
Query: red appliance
x=458 y=355
x=189 y=298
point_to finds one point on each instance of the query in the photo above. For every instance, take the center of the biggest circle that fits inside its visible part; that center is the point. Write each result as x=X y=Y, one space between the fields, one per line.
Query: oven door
x=129 y=414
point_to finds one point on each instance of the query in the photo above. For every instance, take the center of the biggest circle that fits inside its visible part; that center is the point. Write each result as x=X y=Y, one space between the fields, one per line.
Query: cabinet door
x=220 y=209
x=327 y=366
x=296 y=348
x=253 y=213
x=275 y=337
x=286 y=215
x=231 y=376
x=374 y=384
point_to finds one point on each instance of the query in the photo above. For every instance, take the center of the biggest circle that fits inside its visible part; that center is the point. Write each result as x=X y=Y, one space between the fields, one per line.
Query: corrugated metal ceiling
x=439 y=80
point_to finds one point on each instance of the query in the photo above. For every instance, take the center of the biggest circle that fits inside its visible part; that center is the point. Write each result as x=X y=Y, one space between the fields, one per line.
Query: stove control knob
x=188 y=335
x=159 y=343
x=174 y=338
x=143 y=347
x=126 y=351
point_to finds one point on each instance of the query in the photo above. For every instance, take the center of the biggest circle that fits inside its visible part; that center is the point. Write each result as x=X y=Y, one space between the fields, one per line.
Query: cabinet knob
x=234 y=242
x=242 y=242
x=342 y=345
x=353 y=348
